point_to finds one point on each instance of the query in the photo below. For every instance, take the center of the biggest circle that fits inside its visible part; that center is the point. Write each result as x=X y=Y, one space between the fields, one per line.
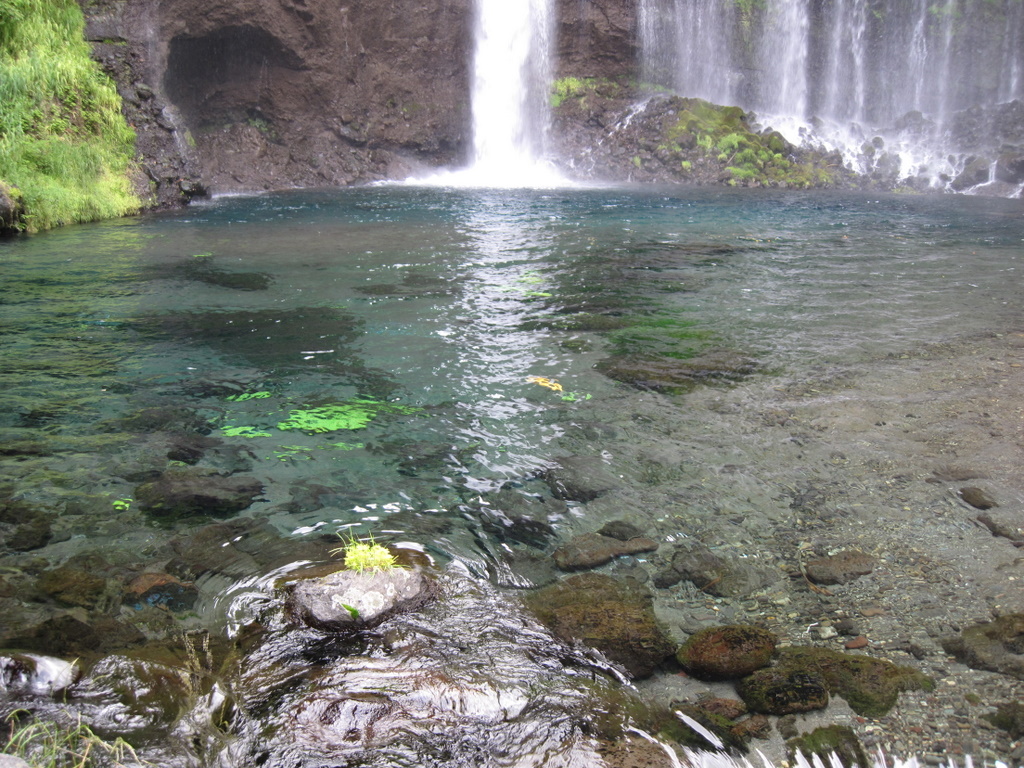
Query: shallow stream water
x=392 y=360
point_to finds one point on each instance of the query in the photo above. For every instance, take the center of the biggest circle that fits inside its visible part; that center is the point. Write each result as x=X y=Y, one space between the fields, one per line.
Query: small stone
x=840 y=568
x=621 y=530
x=160 y=590
x=592 y=549
x=358 y=599
x=977 y=498
x=856 y=643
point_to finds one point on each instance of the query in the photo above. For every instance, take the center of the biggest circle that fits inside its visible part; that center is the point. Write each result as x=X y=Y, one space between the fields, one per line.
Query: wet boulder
x=188 y=492
x=35 y=674
x=591 y=550
x=614 y=616
x=1010 y=167
x=726 y=653
x=974 y=173
x=349 y=600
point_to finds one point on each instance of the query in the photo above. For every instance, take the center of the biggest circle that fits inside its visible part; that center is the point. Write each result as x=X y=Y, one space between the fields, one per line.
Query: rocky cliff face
x=233 y=95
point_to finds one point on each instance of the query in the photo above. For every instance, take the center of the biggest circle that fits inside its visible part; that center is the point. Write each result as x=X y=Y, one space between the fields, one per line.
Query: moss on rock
x=870 y=686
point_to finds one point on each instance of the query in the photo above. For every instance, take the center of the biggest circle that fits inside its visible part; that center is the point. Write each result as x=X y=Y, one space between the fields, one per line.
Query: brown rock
x=840 y=568
x=612 y=615
x=977 y=498
x=590 y=550
x=726 y=653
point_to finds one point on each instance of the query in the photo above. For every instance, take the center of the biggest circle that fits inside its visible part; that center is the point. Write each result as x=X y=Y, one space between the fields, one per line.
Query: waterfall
x=511 y=82
x=844 y=73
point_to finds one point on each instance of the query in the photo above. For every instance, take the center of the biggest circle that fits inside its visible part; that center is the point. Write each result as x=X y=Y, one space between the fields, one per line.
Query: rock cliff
x=232 y=95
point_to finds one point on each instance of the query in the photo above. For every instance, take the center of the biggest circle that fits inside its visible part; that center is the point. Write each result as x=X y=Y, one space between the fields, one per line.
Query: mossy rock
x=839 y=740
x=612 y=615
x=726 y=653
x=870 y=686
x=783 y=691
x=1010 y=718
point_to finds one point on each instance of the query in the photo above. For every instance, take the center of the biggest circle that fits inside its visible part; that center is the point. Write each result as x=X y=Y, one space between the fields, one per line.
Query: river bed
x=779 y=376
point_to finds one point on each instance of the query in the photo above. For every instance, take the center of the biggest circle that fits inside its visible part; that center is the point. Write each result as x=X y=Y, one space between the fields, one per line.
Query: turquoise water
x=409 y=362
x=441 y=305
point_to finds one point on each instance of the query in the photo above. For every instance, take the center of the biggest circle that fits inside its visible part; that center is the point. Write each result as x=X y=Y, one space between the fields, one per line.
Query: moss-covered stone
x=783 y=691
x=839 y=740
x=726 y=653
x=612 y=615
x=870 y=686
x=1010 y=718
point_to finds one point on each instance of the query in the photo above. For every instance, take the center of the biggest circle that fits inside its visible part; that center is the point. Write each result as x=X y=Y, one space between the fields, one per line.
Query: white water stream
x=839 y=78
x=511 y=81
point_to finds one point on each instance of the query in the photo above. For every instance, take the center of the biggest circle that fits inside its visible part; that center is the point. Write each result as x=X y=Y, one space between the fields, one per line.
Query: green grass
x=70 y=745
x=64 y=144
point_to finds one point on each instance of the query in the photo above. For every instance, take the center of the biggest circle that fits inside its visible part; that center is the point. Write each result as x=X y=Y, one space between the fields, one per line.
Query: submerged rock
x=719 y=576
x=187 y=492
x=840 y=568
x=161 y=590
x=828 y=743
x=997 y=646
x=977 y=497
x=347 y=600
x=870 y=686
x=677 y=376
x=581 y=478
x=726 y=653
x=614 y=616
x=24 y=526
x=590 y=550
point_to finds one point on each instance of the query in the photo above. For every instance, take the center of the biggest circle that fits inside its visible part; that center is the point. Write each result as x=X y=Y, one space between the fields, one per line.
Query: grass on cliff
x=65 y=147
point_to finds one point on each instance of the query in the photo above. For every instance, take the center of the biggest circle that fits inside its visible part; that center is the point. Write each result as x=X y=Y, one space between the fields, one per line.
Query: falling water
x=509 y=96
x=842 y=73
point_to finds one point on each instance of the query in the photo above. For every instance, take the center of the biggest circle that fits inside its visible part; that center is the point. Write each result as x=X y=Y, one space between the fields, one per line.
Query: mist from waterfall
x=848 y=74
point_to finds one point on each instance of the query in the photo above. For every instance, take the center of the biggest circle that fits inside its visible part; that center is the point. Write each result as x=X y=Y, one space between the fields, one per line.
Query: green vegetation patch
x=567 y=88
x=64 y=144
x=722 y=135
x=354 y=414
x=870 y=686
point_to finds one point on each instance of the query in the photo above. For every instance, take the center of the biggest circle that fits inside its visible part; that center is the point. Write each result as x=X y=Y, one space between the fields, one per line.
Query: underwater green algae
x=354 y=414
